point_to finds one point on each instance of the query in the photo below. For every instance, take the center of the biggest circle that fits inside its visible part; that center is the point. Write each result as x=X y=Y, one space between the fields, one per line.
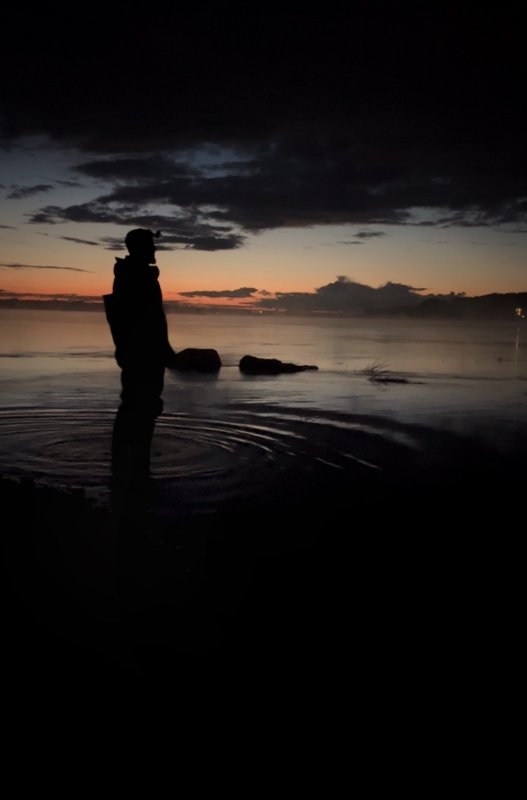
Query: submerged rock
x=251 y=365
x=196 y=359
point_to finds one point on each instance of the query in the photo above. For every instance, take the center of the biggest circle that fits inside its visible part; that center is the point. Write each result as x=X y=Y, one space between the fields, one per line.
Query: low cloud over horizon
x=346 y=296
x=80 y=241
x=15 y=265
x=343 y=295
x=340 y=296
x=46 y=296
x=232 y=293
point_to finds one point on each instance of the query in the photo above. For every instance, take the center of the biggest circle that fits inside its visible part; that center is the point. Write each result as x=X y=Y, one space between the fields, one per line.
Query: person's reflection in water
x=139 y=330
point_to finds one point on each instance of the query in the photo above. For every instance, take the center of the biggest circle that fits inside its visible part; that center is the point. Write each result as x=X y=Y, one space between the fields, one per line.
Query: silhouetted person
x=139 y=330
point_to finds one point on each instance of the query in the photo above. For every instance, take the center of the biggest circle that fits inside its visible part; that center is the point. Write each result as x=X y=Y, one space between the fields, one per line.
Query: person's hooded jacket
x=136 y=315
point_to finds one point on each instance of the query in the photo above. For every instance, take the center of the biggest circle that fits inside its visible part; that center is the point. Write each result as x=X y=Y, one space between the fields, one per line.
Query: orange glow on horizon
x=29 y=283
x=275 y=272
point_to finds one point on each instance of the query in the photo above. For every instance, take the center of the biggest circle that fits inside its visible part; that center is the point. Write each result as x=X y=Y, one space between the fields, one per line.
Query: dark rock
x=196 y=359
x=251 y=365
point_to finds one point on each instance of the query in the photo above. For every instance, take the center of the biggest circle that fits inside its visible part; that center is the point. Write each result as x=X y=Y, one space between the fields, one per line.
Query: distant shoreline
x=499 y=307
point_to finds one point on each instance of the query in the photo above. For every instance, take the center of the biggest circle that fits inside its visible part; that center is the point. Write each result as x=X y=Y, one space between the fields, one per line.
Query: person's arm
x=168 y=352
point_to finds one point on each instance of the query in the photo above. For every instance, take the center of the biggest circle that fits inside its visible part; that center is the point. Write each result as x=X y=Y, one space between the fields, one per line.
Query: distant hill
x=487 y=306
x=456 y=307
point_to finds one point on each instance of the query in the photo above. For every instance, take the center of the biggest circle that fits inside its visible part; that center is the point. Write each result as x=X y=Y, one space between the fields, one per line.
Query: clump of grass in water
x=378 y=372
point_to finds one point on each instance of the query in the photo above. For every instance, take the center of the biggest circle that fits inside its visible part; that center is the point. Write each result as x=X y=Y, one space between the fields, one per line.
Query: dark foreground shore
x=397 y=579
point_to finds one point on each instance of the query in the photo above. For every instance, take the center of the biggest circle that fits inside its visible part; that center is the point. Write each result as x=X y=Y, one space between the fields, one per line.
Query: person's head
x=140 y=244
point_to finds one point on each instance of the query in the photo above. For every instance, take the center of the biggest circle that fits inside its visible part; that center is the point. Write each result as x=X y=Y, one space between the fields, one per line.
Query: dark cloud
x=135 y=169
x=346 y=296
x=363 y=236
x=212 y=243
x=211 y=76
x=186 y=230
x=87 y=212
x=52 y=296
x=323 y=118
x=42 y=218
x=80 y=241
x=196 y=235
x=369 y=234
x=8 y=227
x=294 y=184
x=117 y=244
x=20 y=192
x=67 y=183
x=243 y=292
x=5 y=265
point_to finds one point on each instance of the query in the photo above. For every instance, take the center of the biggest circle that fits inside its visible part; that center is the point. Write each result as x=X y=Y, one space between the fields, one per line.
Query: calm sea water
x=60 y=389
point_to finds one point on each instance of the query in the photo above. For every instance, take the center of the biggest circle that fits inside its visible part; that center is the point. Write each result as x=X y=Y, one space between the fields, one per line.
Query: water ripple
x=199 y=461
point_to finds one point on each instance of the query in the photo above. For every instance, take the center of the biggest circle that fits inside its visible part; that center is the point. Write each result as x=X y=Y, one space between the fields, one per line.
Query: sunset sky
x=275 y=152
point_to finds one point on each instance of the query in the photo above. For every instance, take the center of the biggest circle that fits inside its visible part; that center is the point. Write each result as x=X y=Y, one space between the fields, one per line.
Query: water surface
x=230 y=434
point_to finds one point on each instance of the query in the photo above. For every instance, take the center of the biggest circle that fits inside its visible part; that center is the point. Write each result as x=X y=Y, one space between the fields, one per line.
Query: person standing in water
x=139 y=330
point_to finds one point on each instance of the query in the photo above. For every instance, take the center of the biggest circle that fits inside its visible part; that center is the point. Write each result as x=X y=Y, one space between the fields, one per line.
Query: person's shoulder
x=119 y=267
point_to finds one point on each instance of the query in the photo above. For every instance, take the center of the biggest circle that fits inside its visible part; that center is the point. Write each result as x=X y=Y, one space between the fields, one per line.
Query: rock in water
x=251 y=365
x=195 y=359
